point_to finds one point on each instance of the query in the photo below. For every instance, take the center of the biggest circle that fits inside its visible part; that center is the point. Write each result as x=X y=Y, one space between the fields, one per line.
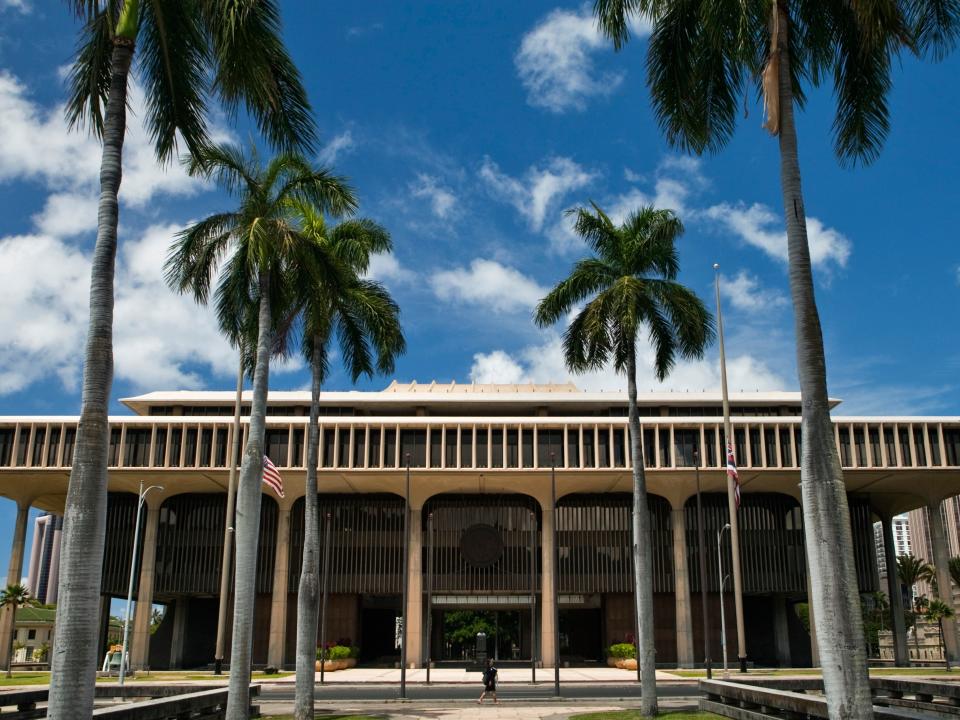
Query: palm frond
x=613 y=17
x=589 y=276
x=89 y=79
x=226 y=165
x=196 y=252
x=174 y=60
x=935 y=25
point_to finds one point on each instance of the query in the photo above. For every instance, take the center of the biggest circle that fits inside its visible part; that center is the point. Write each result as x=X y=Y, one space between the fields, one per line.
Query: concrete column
x=33 y=574
x=681 y=584
x=278 y=604
x=941 y=560
x=14 y=575
x=142 y=614
x=413 y=613
x=53 y=583
x=179 y=632
x=901 y=653
x=781 y=631
x=548 y=651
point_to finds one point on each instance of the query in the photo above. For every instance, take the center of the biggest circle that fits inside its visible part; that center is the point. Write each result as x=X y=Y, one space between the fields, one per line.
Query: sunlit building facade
x=484 y=464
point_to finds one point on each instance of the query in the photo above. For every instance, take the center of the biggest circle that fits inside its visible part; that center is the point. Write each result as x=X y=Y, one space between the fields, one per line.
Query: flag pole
x=228 y=528
x=731 y=486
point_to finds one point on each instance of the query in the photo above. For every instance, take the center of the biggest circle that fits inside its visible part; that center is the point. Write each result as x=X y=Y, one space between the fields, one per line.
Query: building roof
x=34 y=615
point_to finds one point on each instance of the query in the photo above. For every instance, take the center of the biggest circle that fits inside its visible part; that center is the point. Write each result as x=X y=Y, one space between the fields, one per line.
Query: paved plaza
x=445 y=676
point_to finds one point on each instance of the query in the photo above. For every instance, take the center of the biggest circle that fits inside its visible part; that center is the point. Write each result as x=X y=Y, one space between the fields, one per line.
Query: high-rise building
x=44 y=568
x=901 y=541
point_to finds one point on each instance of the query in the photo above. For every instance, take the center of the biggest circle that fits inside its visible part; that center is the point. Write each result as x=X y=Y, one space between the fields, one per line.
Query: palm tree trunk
x=13 y=637
x=308 y=590
x=829 y=542
x=248 y=519
x=642 y=555
x=74 y=661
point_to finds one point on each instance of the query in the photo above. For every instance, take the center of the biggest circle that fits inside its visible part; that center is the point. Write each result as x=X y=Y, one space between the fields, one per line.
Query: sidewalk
x=450 y=676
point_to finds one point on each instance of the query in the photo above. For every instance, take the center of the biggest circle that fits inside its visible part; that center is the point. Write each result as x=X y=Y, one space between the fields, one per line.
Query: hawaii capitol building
x=482 y=463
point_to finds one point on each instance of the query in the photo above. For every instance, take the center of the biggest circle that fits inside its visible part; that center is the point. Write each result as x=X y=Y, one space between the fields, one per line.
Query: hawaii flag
x=733 y=474
x=271 y=476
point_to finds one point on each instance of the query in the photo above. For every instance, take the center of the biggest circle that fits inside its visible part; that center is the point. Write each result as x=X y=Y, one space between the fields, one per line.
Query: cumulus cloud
x=67 y=214
x=759 y=226
x=543 y=362
x=443 y=203
x=37 y=145
x=386 y=267
x=745 y=293
x=339 y=145
x=555 y=61
x=540 y=190
x=498 y=288
x=18 y=5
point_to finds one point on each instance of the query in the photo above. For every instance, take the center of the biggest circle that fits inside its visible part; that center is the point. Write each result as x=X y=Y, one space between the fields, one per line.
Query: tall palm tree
x=366 y=322
x=910 y=571
x=192 y=54
x=702 y=57
x=938 y=611
x=14 y=597
x=628 y=285
x=253 y=249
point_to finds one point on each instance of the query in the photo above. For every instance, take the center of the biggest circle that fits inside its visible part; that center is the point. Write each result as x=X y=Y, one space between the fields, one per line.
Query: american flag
x=271 y=476
x=733 y=474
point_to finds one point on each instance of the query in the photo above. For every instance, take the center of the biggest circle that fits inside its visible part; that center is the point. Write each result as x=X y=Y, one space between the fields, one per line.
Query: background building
x=901 y=541
x=510 y=486
x=45 y=558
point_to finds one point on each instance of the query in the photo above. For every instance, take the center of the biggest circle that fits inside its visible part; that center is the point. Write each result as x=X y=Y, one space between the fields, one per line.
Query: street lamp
x=723 y=618
x=141 y=498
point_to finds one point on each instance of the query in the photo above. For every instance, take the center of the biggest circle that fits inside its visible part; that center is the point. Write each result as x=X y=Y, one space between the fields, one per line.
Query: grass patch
x=25 y=678
x=635 y=715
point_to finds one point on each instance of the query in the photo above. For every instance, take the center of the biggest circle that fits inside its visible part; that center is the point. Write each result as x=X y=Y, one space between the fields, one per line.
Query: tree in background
x=14 y=597
x=937 y=611
x=629 y=285
x=193 y=54
x=910 y=571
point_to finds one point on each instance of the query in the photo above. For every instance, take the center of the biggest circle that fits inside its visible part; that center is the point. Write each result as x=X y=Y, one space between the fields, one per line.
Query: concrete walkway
x=446 y=676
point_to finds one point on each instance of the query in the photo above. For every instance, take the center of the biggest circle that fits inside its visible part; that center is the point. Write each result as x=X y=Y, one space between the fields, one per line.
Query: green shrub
x=354 y=651
x=339 y=652
x=622 y=651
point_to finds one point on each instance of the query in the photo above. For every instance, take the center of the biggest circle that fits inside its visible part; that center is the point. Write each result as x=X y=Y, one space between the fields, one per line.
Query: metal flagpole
x=533 y=598
x=429 y=594
x=228 y=529
x=731 y=487
x=556 y=573
x=703 y=574
x=723 y=616
x=328 y=519
x=406 y=584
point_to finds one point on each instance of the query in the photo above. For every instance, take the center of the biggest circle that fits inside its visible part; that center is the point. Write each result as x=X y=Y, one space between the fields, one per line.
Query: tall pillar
x=278 y=605
x=14 y=575
x=33 y=573
x=413 y=613
x=548 y=651
x=901 y=652
x=681 y=580
x=781 y=631
x=179 y=632
x=941 y=560
x=143 y=614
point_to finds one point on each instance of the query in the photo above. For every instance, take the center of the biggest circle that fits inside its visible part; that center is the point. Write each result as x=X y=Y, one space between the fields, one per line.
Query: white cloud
x=758 y=225
x=19 y=5
x=543 y=363
x=555 y=61
x=386 y=267
x=443 y=203
x=37 y=145
x=67 y=214
x=745 y=293
x=339 y=145
x=499 y=288
x=541 y=189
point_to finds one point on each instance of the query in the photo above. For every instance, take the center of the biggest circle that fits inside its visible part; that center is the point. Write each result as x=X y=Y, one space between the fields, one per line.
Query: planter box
x=334 y=665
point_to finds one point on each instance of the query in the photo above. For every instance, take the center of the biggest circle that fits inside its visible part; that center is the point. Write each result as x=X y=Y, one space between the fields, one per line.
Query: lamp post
x=141 y=497
x=723 y=618
x=429 y=594
x=556 y=573
x=533 y=598
x=703 y=573
x=406 y=584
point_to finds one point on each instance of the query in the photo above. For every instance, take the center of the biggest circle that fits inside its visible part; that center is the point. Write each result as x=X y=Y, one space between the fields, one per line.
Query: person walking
x=489 y=682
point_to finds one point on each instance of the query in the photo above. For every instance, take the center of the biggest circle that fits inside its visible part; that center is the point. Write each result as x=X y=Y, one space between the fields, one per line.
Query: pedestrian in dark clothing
x=489 y=682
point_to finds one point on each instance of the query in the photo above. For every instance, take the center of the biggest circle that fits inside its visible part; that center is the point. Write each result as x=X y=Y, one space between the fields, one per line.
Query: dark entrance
x=507 y=635
x=378 y=631
x=581 y=635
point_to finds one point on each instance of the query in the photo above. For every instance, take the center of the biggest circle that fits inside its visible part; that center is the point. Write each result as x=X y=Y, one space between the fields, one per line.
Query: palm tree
x=630 y=284
x=702 y=57
x=14 y=597
x=366 y=322
x=910 y=571
x=937 y=611
x=258 y=246
x=192 y=53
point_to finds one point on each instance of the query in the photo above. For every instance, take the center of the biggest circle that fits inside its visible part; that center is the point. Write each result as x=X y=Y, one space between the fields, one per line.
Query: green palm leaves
x=14 y=597
x=629 y=284
x=193 y=52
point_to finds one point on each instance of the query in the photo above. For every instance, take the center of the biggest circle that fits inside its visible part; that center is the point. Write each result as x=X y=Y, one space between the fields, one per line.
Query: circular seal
x=481 y=545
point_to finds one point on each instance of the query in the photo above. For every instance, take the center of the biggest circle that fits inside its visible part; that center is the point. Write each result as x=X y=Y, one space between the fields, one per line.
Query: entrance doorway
x=507 y=635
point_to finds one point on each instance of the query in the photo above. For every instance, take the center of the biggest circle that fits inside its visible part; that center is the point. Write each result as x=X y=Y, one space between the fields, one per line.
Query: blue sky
x=467 y=129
